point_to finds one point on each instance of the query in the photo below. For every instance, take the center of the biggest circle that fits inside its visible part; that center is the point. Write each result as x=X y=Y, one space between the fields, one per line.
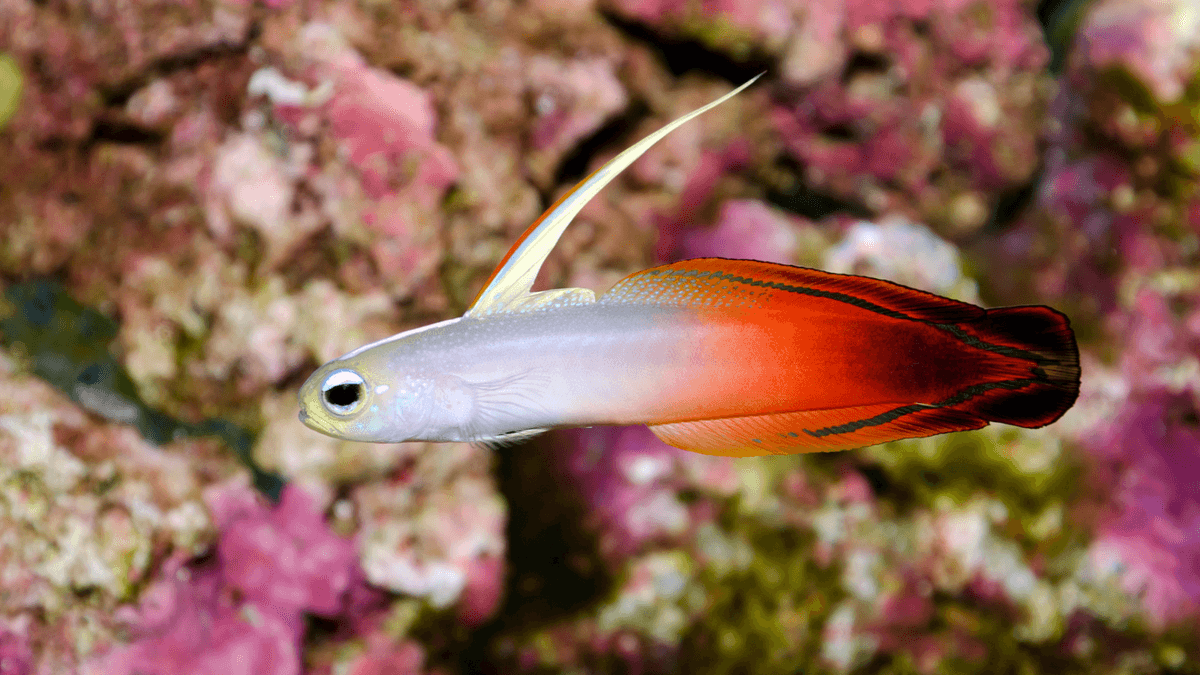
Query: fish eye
x=343 y=392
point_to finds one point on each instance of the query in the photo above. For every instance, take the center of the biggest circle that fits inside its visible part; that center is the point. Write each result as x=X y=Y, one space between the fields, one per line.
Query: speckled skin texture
x=244 y=191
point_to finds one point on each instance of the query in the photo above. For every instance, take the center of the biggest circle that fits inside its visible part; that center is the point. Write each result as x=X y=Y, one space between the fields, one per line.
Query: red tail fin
x=1039 y=335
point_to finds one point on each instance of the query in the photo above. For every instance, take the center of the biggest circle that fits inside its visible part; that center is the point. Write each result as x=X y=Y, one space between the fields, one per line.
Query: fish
x=717 y=356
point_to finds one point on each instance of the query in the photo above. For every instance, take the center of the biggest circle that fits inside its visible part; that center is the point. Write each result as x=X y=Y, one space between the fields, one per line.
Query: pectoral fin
x=509 y=288
x=509 y=439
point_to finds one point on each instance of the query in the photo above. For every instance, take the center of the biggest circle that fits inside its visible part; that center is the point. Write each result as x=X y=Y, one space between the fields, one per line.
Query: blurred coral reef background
x=203 y=200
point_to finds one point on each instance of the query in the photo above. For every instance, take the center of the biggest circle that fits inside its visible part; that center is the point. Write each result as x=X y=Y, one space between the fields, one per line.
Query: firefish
x=724 y=357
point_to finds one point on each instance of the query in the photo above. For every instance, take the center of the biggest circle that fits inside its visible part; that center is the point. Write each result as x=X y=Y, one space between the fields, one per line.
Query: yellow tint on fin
x=814 y=430
x=509 y=287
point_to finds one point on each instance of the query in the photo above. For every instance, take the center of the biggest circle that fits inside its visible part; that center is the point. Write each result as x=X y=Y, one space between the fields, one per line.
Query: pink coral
x=15 y=655
x=571 y=101
x=1155 y=41
x=88 y=506
x=250 y=185
x=905 y=623
x=189 y=622
x=747 y=229
x=1099 y=230
x=483 y=591
x=700 y=182
x=631 y=481
x=977 y=136
x=1108 y=164
x=1149 y=536
x=918 y=100
x=385 y=128
x=1151 y=457
x=81 y=60
x=285 y=557
x=886 y=136
x=241 y=613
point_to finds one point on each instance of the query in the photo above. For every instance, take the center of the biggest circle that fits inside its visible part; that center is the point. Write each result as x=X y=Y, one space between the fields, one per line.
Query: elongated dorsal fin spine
x=508 y=289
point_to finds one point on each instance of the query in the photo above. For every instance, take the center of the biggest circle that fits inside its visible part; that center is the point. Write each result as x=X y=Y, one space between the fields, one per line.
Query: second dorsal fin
x=509 y=287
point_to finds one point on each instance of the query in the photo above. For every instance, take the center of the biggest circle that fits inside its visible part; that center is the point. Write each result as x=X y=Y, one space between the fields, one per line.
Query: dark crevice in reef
x=554 y=565
x=1059 y=20
x=574 y=166
x=298 y=375
x=682 y=54
x=123 y=133
x=814 y=204
x=118 y=94
x=862 y=62
x=842 y=132
x=877 y=477
x=1012 y=203
x=806 y=201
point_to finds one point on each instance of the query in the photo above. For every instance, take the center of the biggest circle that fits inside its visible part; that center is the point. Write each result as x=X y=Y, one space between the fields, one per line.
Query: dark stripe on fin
x=689 y=281
x=1036 y=392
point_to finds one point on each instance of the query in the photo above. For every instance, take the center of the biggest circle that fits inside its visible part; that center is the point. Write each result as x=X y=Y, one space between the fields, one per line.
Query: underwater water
x=202 y=201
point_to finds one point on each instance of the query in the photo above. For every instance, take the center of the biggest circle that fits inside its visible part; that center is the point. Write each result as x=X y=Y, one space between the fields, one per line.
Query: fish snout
x=314 y=423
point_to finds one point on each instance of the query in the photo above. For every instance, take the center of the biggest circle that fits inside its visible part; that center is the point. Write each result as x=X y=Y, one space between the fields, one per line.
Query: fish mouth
x=315 y=424
x=309 y=421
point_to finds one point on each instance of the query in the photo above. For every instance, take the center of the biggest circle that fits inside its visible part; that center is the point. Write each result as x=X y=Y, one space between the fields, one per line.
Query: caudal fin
x=1040 y=336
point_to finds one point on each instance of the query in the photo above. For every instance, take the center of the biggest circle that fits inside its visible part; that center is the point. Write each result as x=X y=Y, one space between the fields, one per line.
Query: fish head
x=360 y=398
x=389 y=391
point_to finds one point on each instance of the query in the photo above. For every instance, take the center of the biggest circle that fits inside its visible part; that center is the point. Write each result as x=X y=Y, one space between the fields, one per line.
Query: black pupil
x=343 y=395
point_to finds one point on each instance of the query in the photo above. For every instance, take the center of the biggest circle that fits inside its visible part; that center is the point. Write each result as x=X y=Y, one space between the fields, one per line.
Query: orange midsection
x=762 y=362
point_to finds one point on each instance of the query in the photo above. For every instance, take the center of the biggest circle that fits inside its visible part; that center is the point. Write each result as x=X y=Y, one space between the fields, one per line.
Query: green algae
x=1180 y=157
x=1026 y=470
x=1060 y=25
x=771 y=614
x=719 y=34
x=767 y=617
x=11 y=84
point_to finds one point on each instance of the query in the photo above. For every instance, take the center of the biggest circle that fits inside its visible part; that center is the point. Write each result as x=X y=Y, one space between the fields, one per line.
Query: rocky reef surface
x=203 y=200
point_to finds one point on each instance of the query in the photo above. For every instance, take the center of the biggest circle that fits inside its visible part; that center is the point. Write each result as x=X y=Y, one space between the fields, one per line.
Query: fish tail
x=1036 y=347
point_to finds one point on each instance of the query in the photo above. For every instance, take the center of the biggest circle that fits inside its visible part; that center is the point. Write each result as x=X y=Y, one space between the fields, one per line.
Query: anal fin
x=814 y=430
